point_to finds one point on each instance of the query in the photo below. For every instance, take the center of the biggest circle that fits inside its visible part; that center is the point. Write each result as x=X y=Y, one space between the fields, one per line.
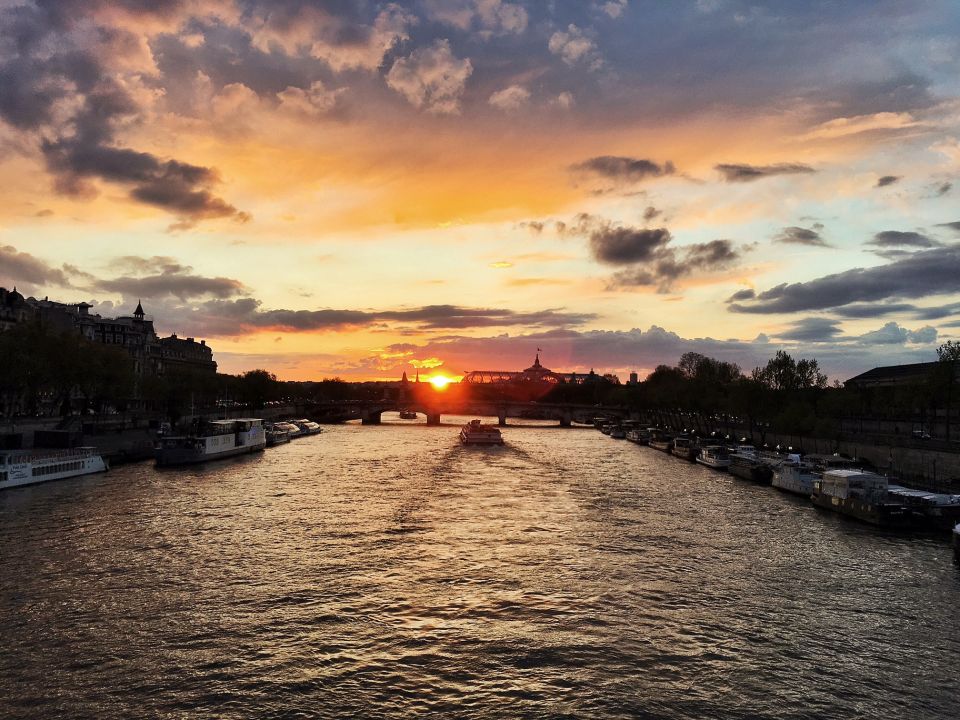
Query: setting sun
x=440 y=382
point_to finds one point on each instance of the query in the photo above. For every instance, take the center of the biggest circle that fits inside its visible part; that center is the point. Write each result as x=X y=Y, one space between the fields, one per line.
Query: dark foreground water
x=387 y=571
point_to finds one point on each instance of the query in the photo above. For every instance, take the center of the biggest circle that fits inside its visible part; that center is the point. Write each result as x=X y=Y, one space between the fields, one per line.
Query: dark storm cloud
x=623 y=169
x=888 y=180
x=801 y=236
x=899 y=239
x=812 y=329
x=738 y=172
x=624 y=245
x=952 y=225
x=921 y=274
x=651 y=213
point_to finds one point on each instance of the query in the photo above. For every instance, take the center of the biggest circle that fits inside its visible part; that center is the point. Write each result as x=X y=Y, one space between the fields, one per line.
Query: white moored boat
x=473 y=433
x=213 y=440
x=715 y=456
x=308 y=427
x=28 y=467
x=276 y=435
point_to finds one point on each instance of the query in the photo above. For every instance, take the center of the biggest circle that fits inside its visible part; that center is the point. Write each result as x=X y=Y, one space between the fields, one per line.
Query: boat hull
x=189 y=456
x=757 y=473
x=688 y=454
x=715 y=464
x=21 y=475
x=880 y=515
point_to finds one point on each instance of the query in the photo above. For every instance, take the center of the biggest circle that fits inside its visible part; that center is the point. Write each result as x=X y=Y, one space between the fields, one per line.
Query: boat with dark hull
x=474 y=433
x=408 y=415
x=932 y=510
x=661 y=441
x=861 y=495
x=747 y=464
x=213 y=440
x=639 y=435
x=685 y=448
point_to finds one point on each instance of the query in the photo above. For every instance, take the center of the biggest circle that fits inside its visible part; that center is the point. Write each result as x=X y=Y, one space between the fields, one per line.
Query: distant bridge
x=369 y=412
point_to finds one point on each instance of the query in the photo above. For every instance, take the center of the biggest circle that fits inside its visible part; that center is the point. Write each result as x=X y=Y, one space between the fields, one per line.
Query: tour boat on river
x=213 y=440
x=473 y=433
x=292 y=430
x=408 y=415
x=276 y=435
x=29 y=467
x=308 y=427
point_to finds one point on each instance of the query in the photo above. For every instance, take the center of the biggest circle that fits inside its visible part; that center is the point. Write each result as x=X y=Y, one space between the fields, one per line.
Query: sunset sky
x=355 y=189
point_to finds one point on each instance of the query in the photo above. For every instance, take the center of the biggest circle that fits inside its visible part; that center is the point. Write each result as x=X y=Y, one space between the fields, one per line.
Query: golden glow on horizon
x=440 y=382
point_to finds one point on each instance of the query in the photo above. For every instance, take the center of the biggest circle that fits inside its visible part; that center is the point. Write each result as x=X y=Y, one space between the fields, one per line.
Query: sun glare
x=440 y=382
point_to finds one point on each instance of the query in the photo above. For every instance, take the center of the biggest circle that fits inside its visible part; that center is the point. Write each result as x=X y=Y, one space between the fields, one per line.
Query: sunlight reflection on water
x=389 y=571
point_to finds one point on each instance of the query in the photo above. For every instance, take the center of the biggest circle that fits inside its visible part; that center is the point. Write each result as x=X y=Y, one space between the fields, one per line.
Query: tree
x=782 y=372
x=948 y=361
x=258 y=386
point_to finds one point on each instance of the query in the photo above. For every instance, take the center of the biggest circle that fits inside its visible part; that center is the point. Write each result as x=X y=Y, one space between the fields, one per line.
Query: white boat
x=213 y=440
x=29 y=467
x=715 y=456
x=276 y=435
x=795 y=474
x=292 y=430
x=473 y=433
x=308 y=427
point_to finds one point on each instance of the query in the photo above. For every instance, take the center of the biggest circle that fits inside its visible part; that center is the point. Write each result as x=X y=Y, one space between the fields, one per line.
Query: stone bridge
x=369 y=412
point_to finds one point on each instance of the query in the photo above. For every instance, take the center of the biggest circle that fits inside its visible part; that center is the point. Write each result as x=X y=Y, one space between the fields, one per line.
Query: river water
x=388 y=572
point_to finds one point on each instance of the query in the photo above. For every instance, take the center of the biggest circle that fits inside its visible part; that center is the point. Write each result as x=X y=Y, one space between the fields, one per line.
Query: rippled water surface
x=386 y=571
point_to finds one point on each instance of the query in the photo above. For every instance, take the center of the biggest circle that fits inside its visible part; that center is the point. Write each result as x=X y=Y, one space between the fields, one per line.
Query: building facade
x=135 y=333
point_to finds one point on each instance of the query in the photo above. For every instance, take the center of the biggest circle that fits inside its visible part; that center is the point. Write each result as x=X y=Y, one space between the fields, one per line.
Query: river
x=388 y=572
